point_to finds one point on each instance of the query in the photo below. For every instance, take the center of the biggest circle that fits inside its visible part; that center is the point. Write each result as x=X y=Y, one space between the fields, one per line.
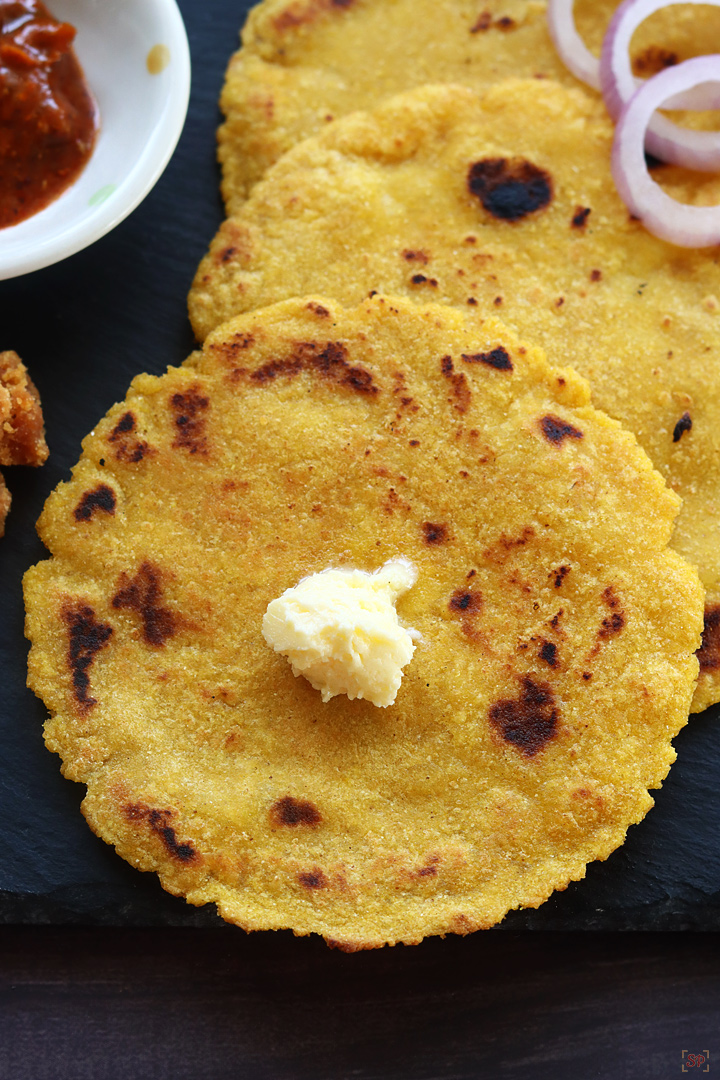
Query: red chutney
x=48 y=117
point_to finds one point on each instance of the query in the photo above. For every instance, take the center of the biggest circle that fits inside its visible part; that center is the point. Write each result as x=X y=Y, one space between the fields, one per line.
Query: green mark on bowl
x=102 y=194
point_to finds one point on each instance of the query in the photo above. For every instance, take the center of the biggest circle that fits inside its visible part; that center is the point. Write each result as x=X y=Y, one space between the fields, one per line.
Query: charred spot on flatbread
x=416 y=256
x=527 y=722
x=684 y=424
x=556 y=430
x=435 y=533
x=510 y=189
x=486 y=21
x=293 y=812
x=499 y=359
x=142 y=593
x=159 y=823
x=468 y=605
x=328 y=360
x=559 y=575
x=614 y=622
x=580 y=217
x=189 y=417
x=422 y=279
x=100 y=498
x=313 y=879
x=548 y=653
x=87 y=636
x=460 y=387
x=482 y=23
x=466 y=600
x=127 y=445
x=653 y=59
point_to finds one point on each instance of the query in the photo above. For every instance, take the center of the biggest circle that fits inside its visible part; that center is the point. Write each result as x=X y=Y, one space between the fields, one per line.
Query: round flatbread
x=505 y=203
x=556 y=657
x=305 y=63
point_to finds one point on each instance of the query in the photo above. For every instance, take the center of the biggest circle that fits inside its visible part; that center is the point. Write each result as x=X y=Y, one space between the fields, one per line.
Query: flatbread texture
x=504 y=202
x=557 y=656
x=305 y=63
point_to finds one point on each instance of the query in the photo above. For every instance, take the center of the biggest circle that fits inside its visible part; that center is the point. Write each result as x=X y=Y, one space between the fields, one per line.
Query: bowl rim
x=136 y=184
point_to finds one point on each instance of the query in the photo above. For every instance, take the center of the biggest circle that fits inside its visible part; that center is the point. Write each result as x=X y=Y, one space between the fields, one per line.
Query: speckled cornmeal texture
x=504 y=203
x=558 y=630
x=307 y=62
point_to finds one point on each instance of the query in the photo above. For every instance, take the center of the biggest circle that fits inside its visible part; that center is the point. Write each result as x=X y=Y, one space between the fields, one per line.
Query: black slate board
x=85 y=328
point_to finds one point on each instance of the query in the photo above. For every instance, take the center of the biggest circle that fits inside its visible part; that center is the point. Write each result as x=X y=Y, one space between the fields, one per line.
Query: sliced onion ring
x=612 y=73
x=570 y=46
x=580 y=61
x=664 y=139
x=685 y=226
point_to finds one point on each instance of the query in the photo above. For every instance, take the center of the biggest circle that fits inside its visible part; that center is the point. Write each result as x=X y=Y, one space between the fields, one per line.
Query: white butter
x=340 y=629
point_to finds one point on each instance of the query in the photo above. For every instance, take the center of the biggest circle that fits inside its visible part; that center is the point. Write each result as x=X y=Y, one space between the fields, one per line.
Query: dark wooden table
x=96 y=1004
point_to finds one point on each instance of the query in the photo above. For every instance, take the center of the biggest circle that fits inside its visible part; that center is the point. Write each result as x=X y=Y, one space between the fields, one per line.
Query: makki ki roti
x=505 y=203
x=305 y=63
x=559 y=631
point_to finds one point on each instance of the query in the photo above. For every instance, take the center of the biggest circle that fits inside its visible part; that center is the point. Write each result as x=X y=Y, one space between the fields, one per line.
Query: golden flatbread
x=505 y=203
x=556 y=659
x=307 y=62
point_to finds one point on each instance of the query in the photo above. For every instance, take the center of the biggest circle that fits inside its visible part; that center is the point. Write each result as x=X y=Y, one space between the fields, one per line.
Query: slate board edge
x=97 y=906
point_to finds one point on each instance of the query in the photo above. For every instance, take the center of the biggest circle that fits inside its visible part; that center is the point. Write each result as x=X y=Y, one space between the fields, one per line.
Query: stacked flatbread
x=557 y=629
x=400 y=199
x=305 y=63
x=356 y=399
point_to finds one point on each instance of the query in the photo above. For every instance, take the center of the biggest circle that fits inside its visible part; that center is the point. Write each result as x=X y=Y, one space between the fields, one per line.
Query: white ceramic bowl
x=118 y=43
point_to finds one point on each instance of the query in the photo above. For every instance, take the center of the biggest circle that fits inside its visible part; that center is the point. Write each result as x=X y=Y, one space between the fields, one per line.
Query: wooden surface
x=186 y=1003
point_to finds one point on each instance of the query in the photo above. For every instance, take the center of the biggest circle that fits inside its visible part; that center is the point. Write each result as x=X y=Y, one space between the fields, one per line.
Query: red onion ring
x=570 y=46
x=685 y=226
x=664 y=139
x=580 y=61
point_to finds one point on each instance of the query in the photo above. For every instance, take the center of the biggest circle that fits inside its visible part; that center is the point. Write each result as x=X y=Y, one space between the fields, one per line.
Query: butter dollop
x=340 y=629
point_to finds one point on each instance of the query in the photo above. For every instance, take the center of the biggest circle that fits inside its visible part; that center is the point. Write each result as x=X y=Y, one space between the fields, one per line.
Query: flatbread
x=505 y=202
x=307 y=62
x=556 y=659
